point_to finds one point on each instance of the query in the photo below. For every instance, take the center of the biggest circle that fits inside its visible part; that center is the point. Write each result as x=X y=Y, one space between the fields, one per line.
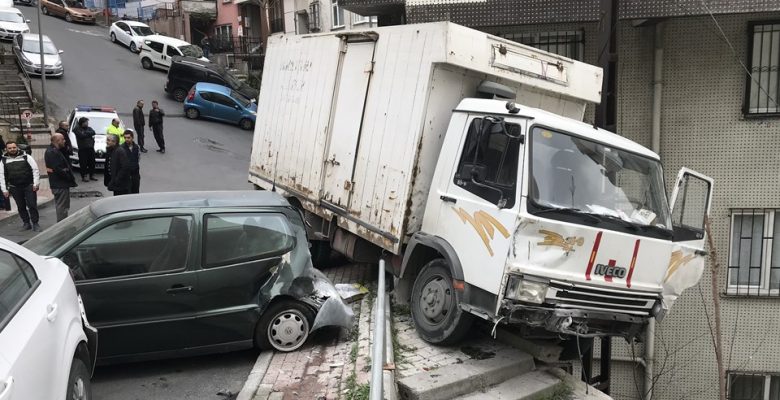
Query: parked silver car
x=28 y=52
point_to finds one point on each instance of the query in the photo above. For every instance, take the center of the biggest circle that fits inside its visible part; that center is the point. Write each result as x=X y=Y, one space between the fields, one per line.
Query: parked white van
x=157 y=51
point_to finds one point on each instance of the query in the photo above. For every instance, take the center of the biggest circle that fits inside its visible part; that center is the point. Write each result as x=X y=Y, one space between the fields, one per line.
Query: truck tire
x=435 y=305
x=320 y=254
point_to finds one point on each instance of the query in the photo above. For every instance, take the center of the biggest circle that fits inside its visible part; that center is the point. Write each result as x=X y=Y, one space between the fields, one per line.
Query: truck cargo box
x=351 y=123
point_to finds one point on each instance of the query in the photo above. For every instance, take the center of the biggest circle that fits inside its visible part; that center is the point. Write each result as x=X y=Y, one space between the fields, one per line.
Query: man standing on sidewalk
x=85 y=138
x=139 y=122
x=156 y=123
x=61 y=177
x=20 y=179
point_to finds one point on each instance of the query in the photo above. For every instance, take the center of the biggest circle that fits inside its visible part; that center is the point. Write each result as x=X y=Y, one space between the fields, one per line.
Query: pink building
x=227 y=24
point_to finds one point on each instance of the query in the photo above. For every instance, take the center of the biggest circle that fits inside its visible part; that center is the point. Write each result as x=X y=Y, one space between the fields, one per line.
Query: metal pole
x=377 y=354
x=43 y=66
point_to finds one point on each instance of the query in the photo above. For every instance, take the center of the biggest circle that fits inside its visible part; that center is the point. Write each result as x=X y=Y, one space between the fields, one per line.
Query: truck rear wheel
x=435 y=305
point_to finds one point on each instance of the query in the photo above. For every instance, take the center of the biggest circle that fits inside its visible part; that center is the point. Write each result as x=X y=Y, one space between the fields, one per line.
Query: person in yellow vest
x=115 y=130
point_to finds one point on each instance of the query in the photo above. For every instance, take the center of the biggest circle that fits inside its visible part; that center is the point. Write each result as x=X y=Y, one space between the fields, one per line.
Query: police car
x=100 y=118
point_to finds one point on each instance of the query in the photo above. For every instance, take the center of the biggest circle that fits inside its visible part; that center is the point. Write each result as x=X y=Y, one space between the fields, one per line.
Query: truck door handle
x=448 y=199
x=178 y=288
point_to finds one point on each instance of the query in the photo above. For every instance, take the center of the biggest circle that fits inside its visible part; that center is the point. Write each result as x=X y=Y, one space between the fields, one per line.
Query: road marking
x=89 y=33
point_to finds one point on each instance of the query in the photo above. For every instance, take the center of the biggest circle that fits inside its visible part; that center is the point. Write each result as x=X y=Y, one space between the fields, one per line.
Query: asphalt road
x=200 y=155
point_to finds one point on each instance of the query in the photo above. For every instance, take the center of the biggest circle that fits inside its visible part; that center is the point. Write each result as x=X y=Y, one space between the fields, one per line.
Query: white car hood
x=14 y=26
x=48 y=59
x=100 y=142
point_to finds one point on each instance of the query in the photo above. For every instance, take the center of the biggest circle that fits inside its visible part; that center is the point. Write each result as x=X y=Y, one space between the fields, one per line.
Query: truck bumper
x=583 y=323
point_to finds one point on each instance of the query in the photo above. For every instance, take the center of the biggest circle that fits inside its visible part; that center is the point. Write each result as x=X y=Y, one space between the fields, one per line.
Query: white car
x=12 y=23
x=130 y=34
x=100 y=118
x=158 y=50
x=47 y=347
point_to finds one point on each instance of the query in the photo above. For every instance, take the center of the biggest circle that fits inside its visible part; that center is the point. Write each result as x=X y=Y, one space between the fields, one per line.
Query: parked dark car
x=170 y=274
x=185 y=72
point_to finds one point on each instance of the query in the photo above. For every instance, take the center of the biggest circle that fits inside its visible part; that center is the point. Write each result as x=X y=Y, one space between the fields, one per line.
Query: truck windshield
x=582 y=176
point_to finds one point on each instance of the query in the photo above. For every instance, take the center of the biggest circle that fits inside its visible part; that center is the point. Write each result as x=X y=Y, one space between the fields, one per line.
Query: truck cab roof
x=546 y=118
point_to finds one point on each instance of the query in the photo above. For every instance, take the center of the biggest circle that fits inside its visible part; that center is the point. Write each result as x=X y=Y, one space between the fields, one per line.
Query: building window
x=762 y=84
x=361 y=19
x=338 y=14
x=314 y=16
x=754 y=256
x=276 y=15
x=744 y=386
x=569 y=44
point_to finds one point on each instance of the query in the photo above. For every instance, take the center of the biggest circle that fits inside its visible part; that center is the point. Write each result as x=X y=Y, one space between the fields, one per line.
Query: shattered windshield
x=580 y=175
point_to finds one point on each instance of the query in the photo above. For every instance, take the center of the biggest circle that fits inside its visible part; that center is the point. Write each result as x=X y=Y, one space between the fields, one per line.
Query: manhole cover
x=85 y=193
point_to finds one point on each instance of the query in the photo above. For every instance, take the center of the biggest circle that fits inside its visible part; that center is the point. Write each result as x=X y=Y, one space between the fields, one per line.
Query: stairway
x=12 y=82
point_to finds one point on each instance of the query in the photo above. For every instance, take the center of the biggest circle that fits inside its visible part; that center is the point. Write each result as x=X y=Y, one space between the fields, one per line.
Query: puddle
x=476 y=353
x=213 y=145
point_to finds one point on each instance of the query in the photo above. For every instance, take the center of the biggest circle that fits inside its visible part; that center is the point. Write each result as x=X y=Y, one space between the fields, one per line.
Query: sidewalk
x=45 y=197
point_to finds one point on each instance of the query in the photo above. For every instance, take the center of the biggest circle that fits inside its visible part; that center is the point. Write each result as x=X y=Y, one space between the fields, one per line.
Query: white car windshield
x=32 y=46
x=8 y=16
x=570 y=172
x=142 y=30
x=191 y=50
x=99 y=124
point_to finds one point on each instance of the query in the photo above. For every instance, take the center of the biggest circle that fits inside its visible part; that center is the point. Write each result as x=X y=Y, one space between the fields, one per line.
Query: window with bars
x=751 y=386
x=569 y=44
x=314 y=16
x=276 y=15
x=763 y=82
x=337 y=14
x=754 y=256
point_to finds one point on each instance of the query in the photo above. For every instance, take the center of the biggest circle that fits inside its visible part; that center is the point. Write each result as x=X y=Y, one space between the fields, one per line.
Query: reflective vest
x=119 y=132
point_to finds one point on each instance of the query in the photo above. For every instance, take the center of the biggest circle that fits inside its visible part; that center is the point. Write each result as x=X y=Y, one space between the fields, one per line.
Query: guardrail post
x=377 y=353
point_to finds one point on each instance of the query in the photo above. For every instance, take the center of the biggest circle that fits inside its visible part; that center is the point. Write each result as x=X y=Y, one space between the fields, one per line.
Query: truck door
x=481 y=199
x=355 y=68
x=691 y=200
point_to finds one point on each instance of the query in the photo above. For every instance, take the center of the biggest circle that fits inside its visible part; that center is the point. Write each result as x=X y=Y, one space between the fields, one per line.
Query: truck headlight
x=521 y=289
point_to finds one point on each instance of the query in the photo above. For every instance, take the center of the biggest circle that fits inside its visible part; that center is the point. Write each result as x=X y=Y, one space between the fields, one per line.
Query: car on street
x=12 y=23
x=221 y=103
x=171 y=274
x=47 y=346
x=185 y=72
x=71 y=10
x=158 y=50
x=28 y=53
x=130 y=34
x=24 y=2
x=100 y=118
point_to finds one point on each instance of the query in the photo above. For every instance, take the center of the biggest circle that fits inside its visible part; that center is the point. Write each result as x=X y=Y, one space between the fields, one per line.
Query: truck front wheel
x=435 y=305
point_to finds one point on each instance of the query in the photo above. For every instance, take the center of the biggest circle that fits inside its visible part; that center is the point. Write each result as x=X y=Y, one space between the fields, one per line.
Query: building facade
x=713 y=70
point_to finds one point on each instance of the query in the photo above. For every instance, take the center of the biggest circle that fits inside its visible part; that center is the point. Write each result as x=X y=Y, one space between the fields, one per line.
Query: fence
x=241 y=48
x=11 y=112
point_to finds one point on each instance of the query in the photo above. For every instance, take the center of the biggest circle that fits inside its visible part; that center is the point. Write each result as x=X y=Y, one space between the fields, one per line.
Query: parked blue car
x=221 y=103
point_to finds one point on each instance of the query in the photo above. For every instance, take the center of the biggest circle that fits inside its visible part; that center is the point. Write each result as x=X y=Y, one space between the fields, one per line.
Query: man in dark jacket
x=63 y=130
x=139 y=122
x=111 y=145
x=85 y=138
x=125 y=171
x=19 y=178
x=61 y=177
x=156 y=123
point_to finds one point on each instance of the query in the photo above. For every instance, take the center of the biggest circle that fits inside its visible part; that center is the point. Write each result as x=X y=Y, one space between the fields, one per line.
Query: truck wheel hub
x=436 y=298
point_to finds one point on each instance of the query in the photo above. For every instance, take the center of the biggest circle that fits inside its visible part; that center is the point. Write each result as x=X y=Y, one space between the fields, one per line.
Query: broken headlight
x=529 y=291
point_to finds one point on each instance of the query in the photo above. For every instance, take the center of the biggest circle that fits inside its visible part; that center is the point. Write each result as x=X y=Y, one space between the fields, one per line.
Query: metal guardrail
x=10 y=111
x=378 y=350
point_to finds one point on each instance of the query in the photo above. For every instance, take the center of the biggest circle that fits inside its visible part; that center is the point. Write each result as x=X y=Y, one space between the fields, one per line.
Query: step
x=534 y=385
x=458 y=379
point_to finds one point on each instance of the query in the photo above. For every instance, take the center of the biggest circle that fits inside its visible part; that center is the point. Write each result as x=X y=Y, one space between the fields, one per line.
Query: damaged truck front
x=465 y=157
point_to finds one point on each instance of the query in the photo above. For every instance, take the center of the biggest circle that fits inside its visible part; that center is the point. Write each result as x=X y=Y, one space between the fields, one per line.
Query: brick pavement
x=321 y=368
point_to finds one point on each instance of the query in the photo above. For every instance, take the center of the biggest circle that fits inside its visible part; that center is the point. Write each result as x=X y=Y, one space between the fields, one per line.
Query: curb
x=252 y=383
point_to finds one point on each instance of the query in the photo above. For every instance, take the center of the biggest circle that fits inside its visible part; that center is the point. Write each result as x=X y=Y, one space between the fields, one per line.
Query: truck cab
x=552 y=223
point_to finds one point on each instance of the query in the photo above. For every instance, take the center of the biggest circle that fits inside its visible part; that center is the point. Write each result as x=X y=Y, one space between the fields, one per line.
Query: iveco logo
x=610 y=270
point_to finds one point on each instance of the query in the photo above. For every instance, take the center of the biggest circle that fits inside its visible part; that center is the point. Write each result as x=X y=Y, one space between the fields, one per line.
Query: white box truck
x=463 y=155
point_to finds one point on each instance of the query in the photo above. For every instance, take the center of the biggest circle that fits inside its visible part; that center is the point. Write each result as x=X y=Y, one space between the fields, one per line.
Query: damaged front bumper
x=582 y=323
x=316 y=290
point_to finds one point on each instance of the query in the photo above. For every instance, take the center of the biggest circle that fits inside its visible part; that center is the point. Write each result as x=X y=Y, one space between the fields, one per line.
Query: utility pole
x=43 y=67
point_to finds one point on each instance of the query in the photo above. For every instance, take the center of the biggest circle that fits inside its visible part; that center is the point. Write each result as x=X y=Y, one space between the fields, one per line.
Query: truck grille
x=567 y=295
